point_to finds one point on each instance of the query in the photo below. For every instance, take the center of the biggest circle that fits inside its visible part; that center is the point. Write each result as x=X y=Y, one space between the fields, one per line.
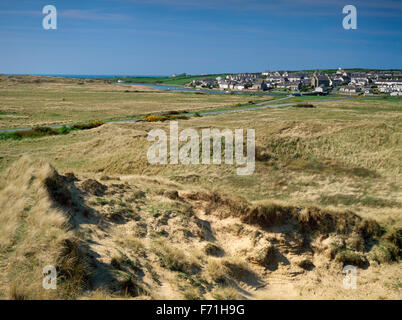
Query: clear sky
x=161 y=37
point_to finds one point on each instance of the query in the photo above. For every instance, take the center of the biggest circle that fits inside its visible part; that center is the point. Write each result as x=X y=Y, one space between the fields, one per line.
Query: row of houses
x=371 y=81
x=348 y=82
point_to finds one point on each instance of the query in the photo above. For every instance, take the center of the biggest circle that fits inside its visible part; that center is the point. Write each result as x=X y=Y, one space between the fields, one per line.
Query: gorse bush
x=153 y=118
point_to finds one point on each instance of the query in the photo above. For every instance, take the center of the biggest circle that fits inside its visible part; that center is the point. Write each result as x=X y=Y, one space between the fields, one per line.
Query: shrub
x=38 y=132
x=384 y=253
x=348 y=257
x=35 y=132
x=304 y=105
x=153 y=118
x=64 y=130
x=86 y=126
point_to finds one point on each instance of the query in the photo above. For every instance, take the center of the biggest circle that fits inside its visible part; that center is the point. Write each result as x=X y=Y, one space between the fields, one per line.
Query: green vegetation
x=304 y=105
x=38 y=132
x=348 y=257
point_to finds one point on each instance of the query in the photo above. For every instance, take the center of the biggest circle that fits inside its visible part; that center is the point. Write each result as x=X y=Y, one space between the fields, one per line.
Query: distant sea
x=94 y=76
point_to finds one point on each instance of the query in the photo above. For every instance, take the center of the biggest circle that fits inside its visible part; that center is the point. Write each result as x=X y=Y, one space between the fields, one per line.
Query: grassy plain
x=328 y=182
x=51 y=101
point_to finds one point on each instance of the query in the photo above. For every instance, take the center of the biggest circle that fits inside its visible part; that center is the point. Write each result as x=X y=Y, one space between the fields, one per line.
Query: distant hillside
x=178 y=80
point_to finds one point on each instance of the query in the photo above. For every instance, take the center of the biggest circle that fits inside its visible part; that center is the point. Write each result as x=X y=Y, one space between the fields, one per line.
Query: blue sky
x=161 y=37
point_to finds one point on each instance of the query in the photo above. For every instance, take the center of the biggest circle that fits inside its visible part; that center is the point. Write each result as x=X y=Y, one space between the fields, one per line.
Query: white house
x=239 y=87
x=350 y=89
x=319 y=89
x=223 y=84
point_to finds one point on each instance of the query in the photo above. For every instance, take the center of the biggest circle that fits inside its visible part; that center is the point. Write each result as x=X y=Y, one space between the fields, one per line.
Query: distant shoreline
x=85 y=76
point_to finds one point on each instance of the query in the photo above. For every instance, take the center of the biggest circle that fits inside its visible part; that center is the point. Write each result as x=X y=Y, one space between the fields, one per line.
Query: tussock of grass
x=236 y=266
x=217 y=272
x=132 y=243
x=71 y=267
x=385 y=252
x=394 y=235
x=174 y=258
x=212 y=249
x=347 y=257
x=263 y=256
x=191 y=286
x=223 y=271
x=131 y=287
x=225 y=293
x=192 y=293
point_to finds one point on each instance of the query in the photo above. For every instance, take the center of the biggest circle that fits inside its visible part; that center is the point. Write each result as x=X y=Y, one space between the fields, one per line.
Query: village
x=315 y=83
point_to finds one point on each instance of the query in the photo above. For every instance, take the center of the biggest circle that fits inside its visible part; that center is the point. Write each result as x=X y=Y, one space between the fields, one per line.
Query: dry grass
x=40 y=236
x=56 y=101
x=174 y=258
x=216 y=271
x=139 y=266
x=326 y=190
x=225 y=293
